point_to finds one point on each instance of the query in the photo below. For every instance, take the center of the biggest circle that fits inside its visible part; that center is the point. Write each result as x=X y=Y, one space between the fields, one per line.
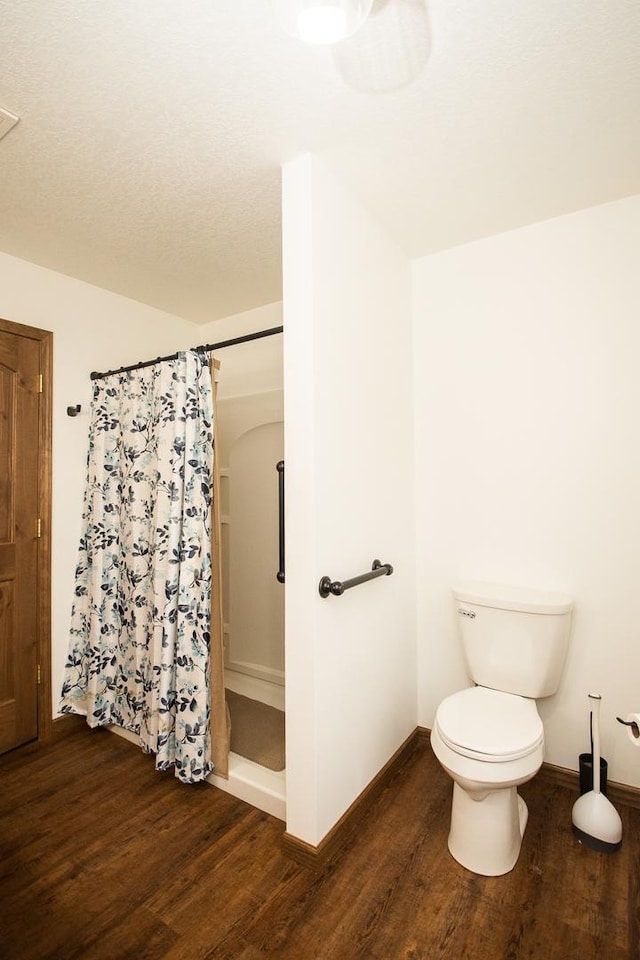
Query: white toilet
x=489 y=738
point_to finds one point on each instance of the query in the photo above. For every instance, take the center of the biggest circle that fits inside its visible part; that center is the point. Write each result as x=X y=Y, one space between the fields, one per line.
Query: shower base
x=248 y=781
x=257 y=785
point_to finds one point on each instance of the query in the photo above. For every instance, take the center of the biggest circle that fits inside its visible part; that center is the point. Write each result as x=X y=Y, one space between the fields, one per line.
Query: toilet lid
x=489 y=725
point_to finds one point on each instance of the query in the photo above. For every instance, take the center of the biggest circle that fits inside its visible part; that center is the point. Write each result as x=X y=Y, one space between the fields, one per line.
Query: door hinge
x=40 y=383
x=39 y=675
x=38 y=528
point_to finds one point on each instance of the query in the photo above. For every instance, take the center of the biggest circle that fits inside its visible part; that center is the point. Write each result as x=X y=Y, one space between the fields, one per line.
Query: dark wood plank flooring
x=103 y=858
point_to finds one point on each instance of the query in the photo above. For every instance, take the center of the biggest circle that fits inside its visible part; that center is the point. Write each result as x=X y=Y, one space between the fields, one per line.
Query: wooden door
x=20 y=529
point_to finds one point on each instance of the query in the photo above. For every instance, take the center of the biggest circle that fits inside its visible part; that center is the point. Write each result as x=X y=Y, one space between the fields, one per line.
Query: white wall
x=527 y=400
x=350 y=661
x=93 y=330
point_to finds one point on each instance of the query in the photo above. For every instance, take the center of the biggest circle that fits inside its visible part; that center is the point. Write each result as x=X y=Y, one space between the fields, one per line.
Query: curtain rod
x=207 y=348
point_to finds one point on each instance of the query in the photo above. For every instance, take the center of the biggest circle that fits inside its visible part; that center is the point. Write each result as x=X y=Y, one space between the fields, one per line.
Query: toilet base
x=486 y=833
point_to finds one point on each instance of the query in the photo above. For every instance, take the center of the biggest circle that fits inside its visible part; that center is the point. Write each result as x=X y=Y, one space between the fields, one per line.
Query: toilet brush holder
x=585 y=761
x=595 y=821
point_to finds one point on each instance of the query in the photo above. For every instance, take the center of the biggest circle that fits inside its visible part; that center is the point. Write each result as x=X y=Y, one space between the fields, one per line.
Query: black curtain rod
x=207 y=348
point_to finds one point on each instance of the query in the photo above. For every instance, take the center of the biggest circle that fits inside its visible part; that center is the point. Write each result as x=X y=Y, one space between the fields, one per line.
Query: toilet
x=489 y=737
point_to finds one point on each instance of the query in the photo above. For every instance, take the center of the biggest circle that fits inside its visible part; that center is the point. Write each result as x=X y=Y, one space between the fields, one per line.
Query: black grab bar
x=280 y=573
x=337 y=588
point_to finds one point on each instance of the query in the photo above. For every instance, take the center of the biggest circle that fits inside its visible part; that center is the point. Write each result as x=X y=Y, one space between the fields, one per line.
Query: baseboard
x=564 y=777
x=311 y=856
x=62 y=727
x=423 y=734
x=316 y=856
x=616 y=792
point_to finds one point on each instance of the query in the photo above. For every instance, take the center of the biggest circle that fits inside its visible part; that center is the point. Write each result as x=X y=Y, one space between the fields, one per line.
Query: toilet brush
x=596 y=822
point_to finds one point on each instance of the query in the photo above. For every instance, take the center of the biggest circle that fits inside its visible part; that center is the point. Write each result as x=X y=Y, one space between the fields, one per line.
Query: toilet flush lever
x=467 y=613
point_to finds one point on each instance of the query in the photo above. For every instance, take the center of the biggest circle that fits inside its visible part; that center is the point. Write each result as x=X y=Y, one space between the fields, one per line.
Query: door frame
x=43 y=600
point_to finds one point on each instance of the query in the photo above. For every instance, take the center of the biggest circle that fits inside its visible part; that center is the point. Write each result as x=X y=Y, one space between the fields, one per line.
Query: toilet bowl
x=488 y=742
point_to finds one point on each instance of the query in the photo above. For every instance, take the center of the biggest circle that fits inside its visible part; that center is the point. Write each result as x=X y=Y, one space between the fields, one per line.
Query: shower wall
x=250 y=444
x=250 y=398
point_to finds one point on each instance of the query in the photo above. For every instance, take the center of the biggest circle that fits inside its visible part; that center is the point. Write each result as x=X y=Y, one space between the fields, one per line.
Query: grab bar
x=280 y=573
x=337 y=588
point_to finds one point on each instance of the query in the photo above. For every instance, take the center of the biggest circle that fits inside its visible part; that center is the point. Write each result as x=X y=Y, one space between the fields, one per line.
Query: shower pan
x=250 y=448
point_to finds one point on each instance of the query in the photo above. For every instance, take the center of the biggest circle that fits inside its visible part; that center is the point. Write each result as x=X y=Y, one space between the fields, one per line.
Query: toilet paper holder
x=635 y=729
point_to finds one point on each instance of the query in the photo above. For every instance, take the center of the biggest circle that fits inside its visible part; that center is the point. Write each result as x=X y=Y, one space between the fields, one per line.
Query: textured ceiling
x=147 y=157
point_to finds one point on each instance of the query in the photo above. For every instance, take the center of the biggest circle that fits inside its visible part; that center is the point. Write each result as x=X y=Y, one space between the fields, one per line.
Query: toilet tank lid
x=504 y=597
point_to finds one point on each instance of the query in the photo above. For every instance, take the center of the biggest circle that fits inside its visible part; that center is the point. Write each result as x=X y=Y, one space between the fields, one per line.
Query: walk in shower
x=249 y=447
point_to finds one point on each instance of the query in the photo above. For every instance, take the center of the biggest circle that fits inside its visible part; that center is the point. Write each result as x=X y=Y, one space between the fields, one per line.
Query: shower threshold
x=259 y=786
x=248 y=781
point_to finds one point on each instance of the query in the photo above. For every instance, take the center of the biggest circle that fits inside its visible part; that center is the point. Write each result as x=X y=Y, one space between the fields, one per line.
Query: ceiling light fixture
x=321 y=21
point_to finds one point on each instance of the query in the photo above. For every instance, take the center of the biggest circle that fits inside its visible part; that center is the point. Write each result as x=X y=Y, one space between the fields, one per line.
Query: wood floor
x=102 y=857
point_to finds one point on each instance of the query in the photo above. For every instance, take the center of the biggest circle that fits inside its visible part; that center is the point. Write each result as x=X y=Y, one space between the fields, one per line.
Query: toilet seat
x=489 y=725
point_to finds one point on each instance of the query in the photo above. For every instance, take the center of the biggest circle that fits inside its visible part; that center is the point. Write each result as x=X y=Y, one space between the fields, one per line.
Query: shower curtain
x=140 y=640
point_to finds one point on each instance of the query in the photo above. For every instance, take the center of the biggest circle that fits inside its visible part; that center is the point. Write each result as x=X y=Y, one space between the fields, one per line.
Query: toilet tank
x=514 y=639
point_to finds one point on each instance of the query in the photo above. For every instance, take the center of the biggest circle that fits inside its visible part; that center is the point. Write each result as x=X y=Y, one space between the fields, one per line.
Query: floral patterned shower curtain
x=140 y=630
